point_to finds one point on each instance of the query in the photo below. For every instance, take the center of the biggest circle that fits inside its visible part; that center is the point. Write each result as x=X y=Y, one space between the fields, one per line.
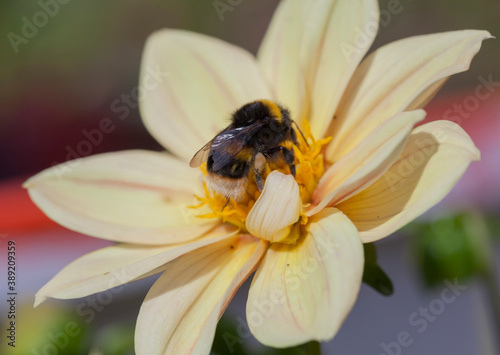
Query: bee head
x=250 y=113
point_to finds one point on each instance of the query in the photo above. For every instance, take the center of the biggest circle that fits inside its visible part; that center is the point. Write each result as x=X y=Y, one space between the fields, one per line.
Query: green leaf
x=373 y=275
x=227 y=340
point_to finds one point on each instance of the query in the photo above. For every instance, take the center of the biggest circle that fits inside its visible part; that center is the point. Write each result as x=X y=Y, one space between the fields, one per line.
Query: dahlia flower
x=363 y=172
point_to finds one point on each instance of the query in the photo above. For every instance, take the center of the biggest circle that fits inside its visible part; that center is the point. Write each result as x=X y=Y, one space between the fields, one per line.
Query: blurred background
x=61 y=75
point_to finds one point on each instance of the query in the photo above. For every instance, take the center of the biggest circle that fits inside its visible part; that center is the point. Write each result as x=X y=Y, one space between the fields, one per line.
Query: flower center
x=310 y=167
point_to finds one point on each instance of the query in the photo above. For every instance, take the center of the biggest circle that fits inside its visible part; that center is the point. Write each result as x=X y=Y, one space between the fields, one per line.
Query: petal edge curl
x=435 y=157
x=276 y=210
x=367 y=162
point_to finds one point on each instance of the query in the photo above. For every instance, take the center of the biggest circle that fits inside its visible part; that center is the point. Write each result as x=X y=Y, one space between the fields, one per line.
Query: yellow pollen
x=309 y=163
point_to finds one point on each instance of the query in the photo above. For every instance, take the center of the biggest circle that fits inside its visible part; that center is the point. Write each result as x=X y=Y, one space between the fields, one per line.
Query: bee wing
x=201 y=156
x=227 y=144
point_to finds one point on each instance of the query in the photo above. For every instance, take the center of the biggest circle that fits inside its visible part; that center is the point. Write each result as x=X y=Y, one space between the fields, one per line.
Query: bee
x=257 y=135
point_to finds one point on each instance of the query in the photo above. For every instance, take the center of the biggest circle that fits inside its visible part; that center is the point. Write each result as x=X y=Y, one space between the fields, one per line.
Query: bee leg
x=289 y=159
x=258 y=164
x=292 y=168
x=258 y=179
x=288 y=155
x=227 y=203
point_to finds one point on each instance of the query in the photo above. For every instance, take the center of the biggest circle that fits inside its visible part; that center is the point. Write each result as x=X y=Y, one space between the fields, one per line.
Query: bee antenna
x=302 y=134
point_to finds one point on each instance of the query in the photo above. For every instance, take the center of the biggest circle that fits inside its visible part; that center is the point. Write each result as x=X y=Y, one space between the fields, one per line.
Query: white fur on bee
x=233 y=188
x=260 y=162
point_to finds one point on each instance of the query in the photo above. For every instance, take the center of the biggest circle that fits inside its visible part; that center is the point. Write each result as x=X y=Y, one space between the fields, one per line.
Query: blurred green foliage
x=55 y=328
x=47 y=330
x=115 y=339
x=228 y=341
x=457 y=246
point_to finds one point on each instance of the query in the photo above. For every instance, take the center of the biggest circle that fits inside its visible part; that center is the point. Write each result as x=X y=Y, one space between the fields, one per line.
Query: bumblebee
x=258 y=134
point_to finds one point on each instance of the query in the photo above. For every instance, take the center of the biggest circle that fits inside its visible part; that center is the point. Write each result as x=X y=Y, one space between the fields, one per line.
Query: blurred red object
x=18 y=213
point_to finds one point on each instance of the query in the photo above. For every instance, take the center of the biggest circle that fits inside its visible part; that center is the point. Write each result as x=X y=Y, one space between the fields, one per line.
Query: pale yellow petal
x=435 y=157
x=204 y=80
x=304 y=292
x=367 y=162
x=136 y=197
x=118 y=264
x=401 y=75
x=338 y=34
x=276 y=209
x=181 y=311
x=279 y=56
x=311 y=50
